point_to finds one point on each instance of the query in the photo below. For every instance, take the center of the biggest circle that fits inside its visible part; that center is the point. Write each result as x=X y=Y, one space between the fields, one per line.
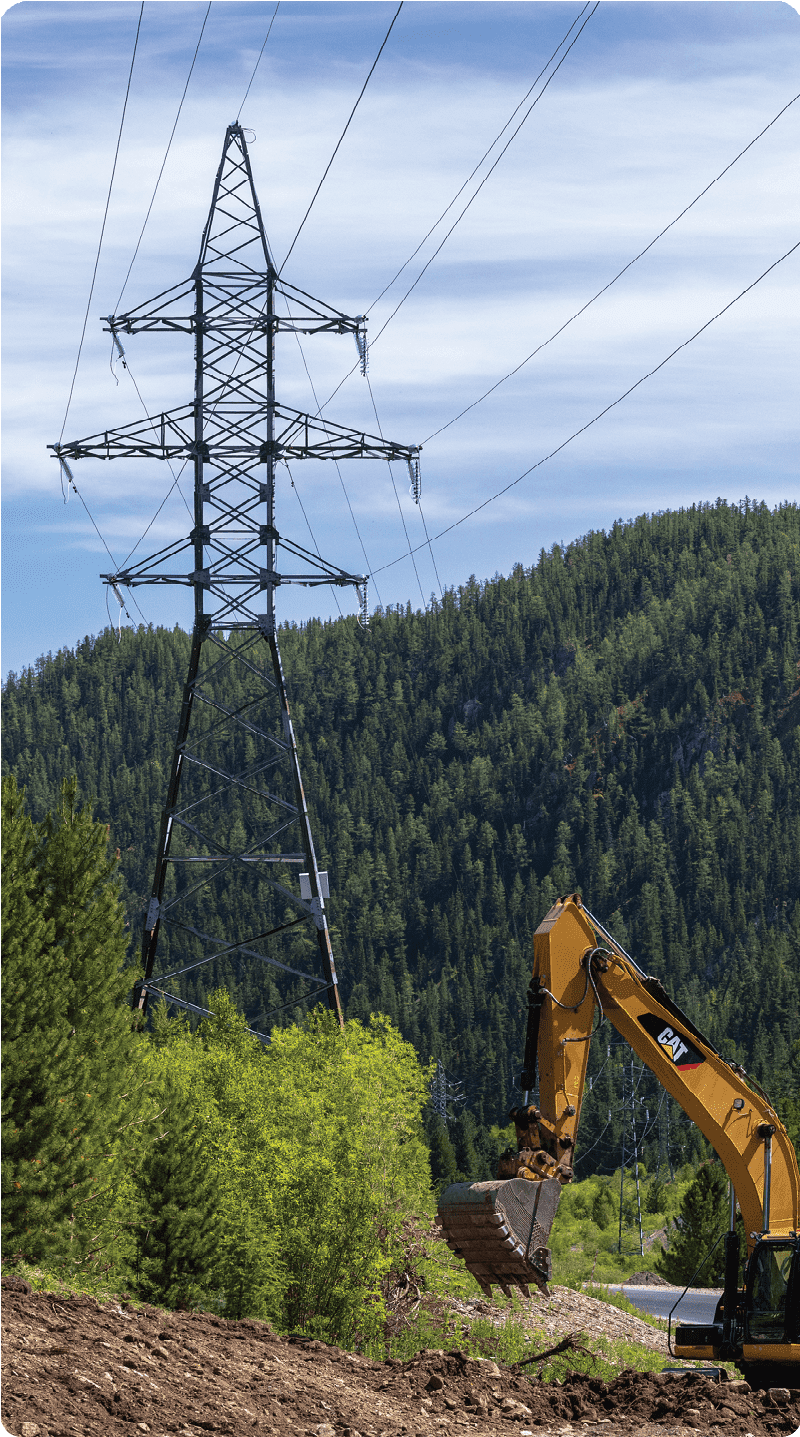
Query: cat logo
x=674 y=1043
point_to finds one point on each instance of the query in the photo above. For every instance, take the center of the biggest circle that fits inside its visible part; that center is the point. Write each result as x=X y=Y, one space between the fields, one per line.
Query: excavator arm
x=580 y=973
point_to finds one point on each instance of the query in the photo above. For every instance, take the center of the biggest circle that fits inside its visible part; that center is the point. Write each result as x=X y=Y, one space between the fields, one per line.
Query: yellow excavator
x=501 y=1228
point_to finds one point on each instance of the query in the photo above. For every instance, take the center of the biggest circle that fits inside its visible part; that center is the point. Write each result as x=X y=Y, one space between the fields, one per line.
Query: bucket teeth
x=501 y=1229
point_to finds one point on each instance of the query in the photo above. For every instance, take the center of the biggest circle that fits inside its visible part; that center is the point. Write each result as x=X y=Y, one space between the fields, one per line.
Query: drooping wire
x=174 y=485
x=475 y=194
x=76 y=490
x=513 y=483
x=311 y=532
x=489 y=172
x=484 y=156
x=595 y=1144
x=102 y=230
x=341 y=137
x=258 y=61
x=164 y=161
x=339 y=472
x=430 y=548
x=397 y=497
x=613 y=281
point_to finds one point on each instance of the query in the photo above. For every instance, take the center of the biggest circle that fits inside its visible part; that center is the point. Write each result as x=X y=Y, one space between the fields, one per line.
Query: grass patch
x=513 y=1339
x=44 y=1279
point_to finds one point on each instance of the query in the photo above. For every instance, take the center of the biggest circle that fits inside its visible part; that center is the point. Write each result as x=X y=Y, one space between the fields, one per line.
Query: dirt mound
x=645 y=1279
x=76 y=1368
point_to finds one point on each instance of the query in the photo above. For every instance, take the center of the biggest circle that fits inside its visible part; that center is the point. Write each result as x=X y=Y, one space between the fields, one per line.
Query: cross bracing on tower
x=235 y=822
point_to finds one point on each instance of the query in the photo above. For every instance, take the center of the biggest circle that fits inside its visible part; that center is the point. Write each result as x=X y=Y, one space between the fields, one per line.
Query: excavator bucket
x=501 y=1230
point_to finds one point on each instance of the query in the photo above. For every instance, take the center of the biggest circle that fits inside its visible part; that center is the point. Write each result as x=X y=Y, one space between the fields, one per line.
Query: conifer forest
x=618 y=716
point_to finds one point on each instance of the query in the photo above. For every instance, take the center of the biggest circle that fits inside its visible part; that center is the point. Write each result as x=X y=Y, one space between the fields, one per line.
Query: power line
x=338 y=470
x=311 y=532
x=102 y=228
x=91 y=517
x=175 y=477
x=599 y=416
x=258 y=61
x=613 y=281
x=399 y=506
x=430 y=547
x=341 y=137
x=70 y=480
x=484 y=156
x=475 y=194
x=164 y=161
x=491 y=169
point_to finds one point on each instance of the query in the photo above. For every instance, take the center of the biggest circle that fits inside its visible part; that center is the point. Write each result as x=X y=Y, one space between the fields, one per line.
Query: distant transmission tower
x=235 y=821
x=443 y=1091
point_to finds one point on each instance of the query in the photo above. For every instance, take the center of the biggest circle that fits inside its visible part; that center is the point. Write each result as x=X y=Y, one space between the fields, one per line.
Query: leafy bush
x=316 y=1145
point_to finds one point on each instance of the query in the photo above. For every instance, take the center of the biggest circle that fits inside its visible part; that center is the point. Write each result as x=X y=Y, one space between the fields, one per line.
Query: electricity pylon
x=227 y=827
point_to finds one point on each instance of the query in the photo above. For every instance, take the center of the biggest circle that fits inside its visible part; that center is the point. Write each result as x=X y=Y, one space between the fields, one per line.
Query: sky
x=652 y=102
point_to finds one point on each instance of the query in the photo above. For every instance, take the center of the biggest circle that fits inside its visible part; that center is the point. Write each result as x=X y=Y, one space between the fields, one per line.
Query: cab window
x=767 y=1316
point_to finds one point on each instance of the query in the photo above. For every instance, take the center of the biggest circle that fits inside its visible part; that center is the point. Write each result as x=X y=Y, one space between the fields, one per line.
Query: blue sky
x=650 y=105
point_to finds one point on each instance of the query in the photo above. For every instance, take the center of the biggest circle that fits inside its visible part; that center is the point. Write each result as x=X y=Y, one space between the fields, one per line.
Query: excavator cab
x=772 y=1293
x=766 y=1313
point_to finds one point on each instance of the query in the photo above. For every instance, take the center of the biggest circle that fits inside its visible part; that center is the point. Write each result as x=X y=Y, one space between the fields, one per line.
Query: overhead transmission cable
x=164 y=161
x=484 y=156
x=70 y=479
x=491 y=169
x=175 y=478
x=338 y=471
x=258 y=61
x=102 y=227
x=512 y=484
x=311 y=532
x=419 y=506
x=399 y=506
x=429 y=542
x=477 y=191
x=613 y=281
x=341 y=137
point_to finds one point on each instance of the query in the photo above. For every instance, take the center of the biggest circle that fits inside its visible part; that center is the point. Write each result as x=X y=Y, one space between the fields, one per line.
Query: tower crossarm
x=231 y=432
x=235 y=305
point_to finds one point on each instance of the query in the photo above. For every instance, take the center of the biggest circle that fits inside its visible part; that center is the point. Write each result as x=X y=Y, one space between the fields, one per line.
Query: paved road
x=697 y=1306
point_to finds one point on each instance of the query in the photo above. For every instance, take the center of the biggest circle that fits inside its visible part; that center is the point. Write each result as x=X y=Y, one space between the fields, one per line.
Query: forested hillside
x=620 y=717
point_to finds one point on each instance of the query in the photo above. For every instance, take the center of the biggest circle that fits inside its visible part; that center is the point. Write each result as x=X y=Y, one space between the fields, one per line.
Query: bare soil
x=73 y=1367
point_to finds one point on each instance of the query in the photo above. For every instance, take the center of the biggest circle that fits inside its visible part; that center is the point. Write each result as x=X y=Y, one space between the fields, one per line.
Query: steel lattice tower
x=235 y=793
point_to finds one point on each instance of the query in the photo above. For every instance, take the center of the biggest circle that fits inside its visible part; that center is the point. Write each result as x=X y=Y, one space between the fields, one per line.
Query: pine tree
x=469 y=1164
x=444 y=1166
x=68 y=1045
x=703 y=1217
x=33 y=1067
x=178 y=1200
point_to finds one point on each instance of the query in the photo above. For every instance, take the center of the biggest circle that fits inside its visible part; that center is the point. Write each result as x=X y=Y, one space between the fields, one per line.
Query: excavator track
x=501 y=1229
